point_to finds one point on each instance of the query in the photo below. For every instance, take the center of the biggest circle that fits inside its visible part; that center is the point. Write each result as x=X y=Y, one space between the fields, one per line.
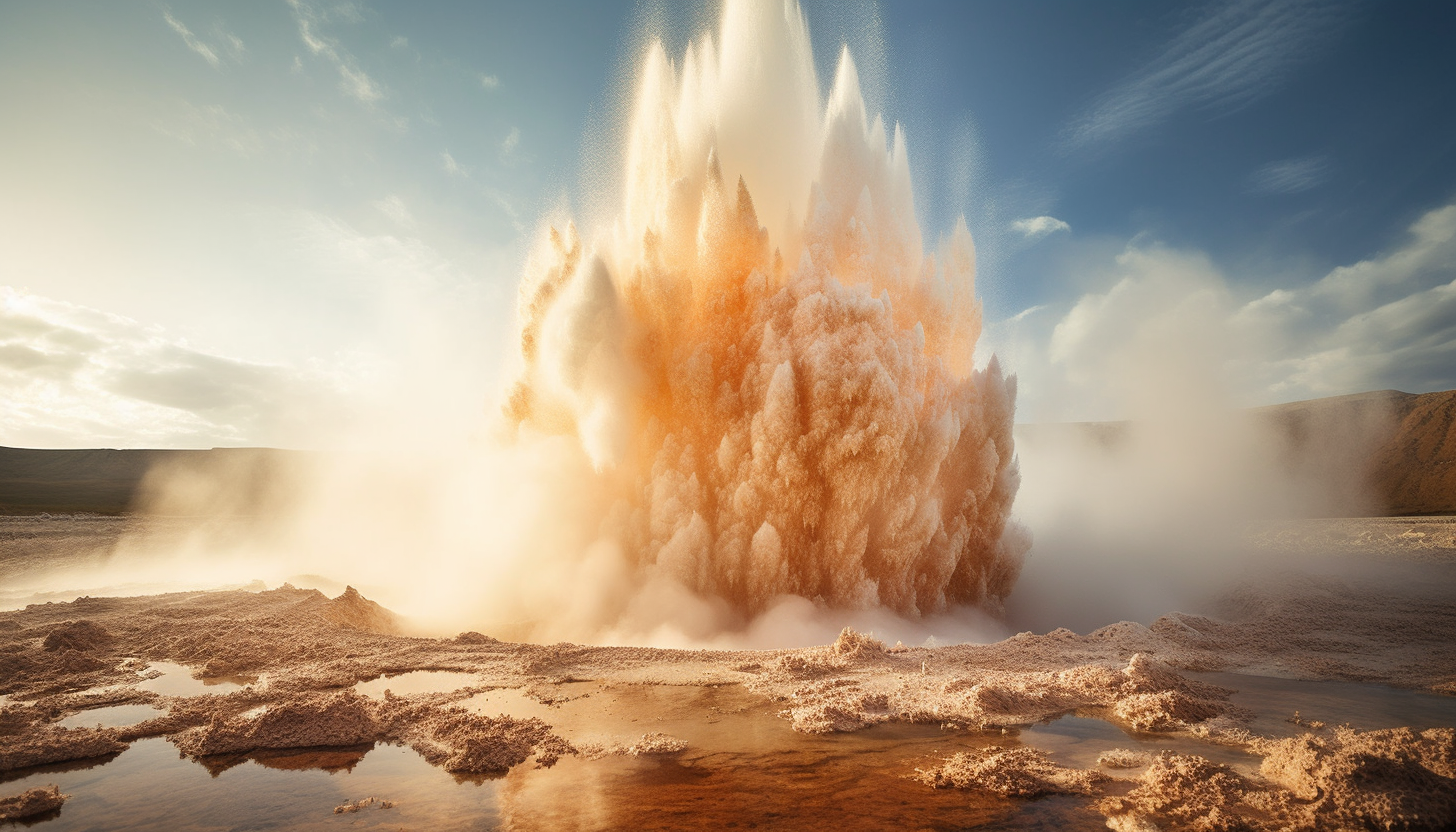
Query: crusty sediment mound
x=1009 y=772
x=32 y=803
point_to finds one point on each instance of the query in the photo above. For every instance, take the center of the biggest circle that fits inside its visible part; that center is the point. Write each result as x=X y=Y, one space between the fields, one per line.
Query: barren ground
x=292 y=659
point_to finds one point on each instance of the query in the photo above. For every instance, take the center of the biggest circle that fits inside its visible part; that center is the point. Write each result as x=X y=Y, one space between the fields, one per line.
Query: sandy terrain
x=300 y=653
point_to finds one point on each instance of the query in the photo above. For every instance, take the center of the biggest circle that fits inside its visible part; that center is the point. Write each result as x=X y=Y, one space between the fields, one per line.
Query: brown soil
x=1415 y=469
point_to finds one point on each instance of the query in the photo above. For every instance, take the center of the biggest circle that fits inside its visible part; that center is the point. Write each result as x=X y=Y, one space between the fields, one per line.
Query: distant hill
x=103 y=481
x=1414 y=471
x=1402 y=445
x=1395 y=451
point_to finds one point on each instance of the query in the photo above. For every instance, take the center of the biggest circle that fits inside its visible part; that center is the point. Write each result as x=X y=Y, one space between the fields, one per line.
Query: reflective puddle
x=112 y=716
x=1363 y=706
x=177 y=680
x=416 y=682
x=743 y=768
x=1077 y=742
x=150 y=787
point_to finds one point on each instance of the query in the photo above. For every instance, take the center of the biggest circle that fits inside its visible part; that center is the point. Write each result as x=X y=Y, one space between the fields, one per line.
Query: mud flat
x=1130 y=726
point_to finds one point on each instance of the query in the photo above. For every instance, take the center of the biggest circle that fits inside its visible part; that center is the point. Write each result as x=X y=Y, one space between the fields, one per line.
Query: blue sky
x=242 y=222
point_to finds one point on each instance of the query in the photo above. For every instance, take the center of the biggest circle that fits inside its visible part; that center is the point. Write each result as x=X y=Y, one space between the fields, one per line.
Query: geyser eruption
x=772 y=380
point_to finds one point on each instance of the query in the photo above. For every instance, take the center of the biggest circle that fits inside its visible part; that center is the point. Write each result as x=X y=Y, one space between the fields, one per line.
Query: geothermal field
x=752 y=539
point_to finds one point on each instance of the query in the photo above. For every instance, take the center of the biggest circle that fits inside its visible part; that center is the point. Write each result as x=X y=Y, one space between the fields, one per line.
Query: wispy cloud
x=234 y=45
x=394 y=208
x=1026 y=313
x=489 y=82
x=212 y=125
x=1290 y=176
x=453 y=167
x=1239 y=52
x=192 y=41
x=352 y=79
x=511 y=141
x=1033 y=227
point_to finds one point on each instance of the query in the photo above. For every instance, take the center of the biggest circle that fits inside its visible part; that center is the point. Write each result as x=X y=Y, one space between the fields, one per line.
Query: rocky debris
x=350 y=807
x=1386 y=779
x=49 y=744
x=16 y=719
x=353 y=610
x=652 y=743
x=1145 y=695
x=1154 y=698
x=82 y=636
x=1340 y=779
x=1182 y=792
x=837 y=705
x=32 y=803
x=302 y=721
x=1123 y=758
x=856 y=645
x=1010 y=772
x=470 y=743
x=655 y=742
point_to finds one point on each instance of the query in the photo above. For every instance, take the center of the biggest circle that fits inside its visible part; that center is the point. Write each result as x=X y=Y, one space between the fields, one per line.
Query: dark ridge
x=101 y=481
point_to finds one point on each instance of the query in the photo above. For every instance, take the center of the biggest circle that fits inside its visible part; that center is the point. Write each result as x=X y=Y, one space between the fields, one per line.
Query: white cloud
x=1290 y=176
x=1227 y=59
x=191 y=40
x=1427 y=260
x=212 y=125
x=232 y=43
x=353 y=80
x=1171 y=327
x=1034 y=227
x=1026 y=313
x=490 y=82
x=75 y=376
x=511 y=141
x=400 y=42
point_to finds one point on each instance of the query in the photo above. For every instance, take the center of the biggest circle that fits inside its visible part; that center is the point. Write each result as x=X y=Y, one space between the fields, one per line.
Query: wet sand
x=1187 y=723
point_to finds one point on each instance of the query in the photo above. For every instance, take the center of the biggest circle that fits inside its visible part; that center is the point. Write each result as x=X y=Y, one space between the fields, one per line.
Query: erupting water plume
x=772 y=380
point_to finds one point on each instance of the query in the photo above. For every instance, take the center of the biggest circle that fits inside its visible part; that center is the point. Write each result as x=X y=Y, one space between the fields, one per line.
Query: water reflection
x=177 y=680
x=1077 y=742
x=331 y=760
x=417 y=682
x=112 y=716
x=1363 y=706
x=149 y=786
x=743 y=768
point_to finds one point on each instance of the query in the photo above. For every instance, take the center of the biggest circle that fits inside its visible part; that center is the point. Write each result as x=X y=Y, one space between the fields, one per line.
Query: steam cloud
x=772 y=381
